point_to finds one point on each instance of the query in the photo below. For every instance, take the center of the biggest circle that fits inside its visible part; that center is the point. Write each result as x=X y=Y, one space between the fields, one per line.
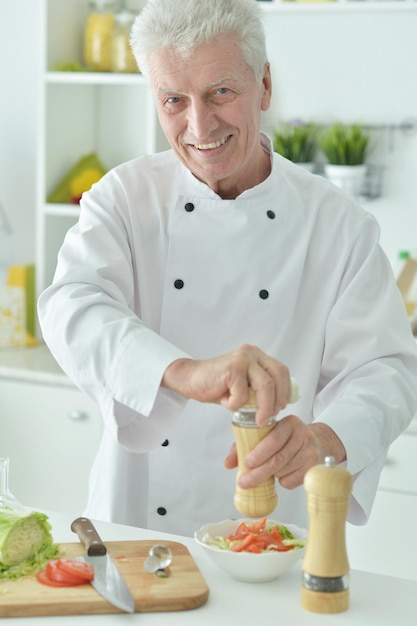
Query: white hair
x=182 y=25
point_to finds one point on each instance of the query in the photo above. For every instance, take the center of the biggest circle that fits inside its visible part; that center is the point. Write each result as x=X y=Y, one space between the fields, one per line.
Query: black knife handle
x=88 y=536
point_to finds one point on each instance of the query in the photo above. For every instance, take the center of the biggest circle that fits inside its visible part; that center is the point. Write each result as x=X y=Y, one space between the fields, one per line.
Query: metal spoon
x=160 y=557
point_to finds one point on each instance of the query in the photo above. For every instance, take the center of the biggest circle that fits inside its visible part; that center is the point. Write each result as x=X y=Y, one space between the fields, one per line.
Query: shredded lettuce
x=26 y=543
x=297 y=543
x=283 y=531
x=288 y=537
x=218 y=542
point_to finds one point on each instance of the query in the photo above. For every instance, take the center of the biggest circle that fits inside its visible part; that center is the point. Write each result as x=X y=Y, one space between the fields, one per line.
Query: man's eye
x=222 y=90
x=173 y=100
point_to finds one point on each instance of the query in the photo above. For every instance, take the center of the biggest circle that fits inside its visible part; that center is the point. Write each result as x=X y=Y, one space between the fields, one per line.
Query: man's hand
x=287 y=452
x=226 y=380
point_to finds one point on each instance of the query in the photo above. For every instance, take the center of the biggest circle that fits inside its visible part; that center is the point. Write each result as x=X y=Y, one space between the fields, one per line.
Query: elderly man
x=218 y=266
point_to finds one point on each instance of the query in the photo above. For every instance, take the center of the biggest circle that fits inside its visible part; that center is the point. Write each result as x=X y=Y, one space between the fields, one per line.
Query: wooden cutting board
x=184 y=588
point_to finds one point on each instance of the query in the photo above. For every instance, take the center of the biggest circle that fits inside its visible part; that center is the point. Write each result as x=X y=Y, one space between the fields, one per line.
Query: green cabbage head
x=26 y=543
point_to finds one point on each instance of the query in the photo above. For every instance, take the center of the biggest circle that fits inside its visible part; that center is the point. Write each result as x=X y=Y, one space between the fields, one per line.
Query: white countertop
x=374 y=599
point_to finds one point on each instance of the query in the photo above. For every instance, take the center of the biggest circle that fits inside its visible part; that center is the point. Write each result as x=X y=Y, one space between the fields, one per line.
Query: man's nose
x=201 y=120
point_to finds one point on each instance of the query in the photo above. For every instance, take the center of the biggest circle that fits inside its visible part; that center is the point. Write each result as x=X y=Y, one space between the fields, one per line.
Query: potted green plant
x=345 y=147
x=296 y=141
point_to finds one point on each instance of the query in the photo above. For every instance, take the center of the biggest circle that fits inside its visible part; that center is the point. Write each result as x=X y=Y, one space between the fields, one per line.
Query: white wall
x=19 y=74
x=344 y=66
x=326 y=66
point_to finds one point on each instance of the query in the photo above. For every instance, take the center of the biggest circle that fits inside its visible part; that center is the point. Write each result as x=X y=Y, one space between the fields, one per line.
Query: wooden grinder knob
x=325 y=565
x=257 y=501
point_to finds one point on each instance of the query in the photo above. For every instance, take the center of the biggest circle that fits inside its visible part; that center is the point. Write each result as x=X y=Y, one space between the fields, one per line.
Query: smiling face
x=209 y=107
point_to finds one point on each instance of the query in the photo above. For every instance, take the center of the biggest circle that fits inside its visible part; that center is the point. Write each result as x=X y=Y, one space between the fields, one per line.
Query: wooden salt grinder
x=257 y=501
x=325 y=576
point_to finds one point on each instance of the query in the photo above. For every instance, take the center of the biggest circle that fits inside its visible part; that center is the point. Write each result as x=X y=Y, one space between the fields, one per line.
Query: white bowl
x=247 y=566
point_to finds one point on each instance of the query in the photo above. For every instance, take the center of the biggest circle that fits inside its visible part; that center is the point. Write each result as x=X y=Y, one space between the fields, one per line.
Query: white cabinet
x=51 y=434
x=400 y=471
x=109 y=114
x=387 y=544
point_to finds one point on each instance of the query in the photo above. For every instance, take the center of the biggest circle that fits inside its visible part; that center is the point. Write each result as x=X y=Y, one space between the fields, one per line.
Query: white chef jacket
x=160 y=267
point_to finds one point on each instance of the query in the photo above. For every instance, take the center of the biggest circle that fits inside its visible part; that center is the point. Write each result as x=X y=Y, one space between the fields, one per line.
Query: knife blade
x=107 y=579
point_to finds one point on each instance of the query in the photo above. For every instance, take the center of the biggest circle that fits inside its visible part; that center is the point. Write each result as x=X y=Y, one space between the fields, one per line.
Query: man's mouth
x=212 y=145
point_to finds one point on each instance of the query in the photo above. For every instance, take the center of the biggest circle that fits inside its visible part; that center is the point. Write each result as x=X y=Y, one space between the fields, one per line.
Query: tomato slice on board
x=66 y=573
x=43 y=578
x=77 y=568
x=59 y=575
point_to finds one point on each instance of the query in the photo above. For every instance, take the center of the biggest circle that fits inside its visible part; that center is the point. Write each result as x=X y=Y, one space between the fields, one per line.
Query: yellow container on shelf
x=98 y=34
x=17 y=307
x=121 y=57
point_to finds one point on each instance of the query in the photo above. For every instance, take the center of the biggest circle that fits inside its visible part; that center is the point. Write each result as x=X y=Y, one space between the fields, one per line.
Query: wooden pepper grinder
x=257 y=501
x=325 y=567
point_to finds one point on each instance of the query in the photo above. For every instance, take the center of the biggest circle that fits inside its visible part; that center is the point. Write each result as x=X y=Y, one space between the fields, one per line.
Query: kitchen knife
x=107 y=580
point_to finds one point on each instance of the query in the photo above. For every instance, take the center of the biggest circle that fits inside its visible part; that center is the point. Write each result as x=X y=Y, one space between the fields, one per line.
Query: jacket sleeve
x=368 y=384
x=90 y=320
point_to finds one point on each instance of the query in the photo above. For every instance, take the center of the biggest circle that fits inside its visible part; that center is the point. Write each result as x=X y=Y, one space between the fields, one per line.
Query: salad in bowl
x=252 y=550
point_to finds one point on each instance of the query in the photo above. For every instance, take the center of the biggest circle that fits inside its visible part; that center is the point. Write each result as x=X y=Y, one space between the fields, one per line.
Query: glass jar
x=97 y=35
x=7 y=499
x=121 y=57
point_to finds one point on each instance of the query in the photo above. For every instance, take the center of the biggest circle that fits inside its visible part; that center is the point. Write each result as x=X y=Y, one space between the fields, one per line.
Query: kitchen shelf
x=106 y=113
x=62 y=210
x=94 y=78
x=338 y=6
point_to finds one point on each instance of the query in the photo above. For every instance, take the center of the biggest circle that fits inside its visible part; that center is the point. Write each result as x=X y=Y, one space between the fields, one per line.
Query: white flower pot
x=350 y=178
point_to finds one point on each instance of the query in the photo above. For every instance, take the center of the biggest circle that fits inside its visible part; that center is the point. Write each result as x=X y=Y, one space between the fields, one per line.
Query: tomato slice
x=254 y=548
x=257 y=526
x=81 y=569
x=242 y=529
x=43 y=578
x=66 y=573
x=243 y=544
x=59 y=575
